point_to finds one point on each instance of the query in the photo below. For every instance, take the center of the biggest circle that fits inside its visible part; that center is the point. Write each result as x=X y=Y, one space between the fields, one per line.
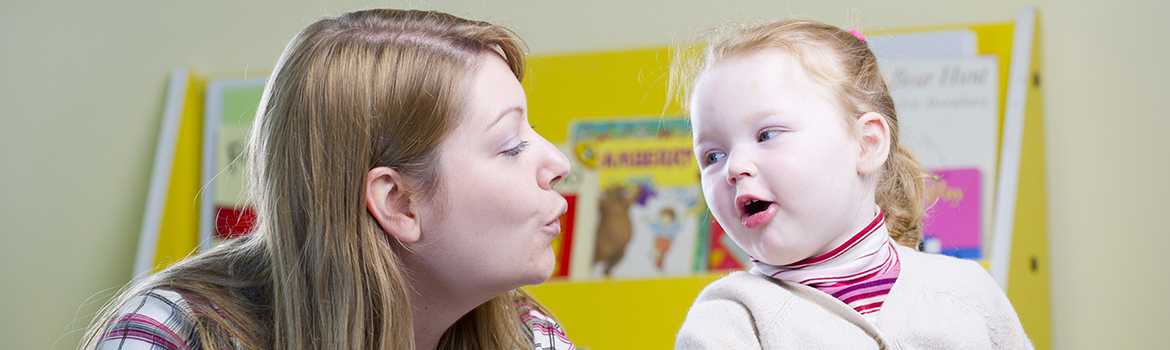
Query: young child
x=797 y=142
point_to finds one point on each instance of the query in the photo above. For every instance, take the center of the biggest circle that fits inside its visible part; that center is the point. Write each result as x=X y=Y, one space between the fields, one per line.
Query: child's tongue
x=755 y=219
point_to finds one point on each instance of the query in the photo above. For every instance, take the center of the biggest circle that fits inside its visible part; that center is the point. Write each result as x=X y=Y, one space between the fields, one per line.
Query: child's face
x=779 y=168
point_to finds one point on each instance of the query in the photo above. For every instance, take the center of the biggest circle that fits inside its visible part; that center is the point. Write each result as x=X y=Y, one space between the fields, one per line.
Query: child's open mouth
x=756 y=212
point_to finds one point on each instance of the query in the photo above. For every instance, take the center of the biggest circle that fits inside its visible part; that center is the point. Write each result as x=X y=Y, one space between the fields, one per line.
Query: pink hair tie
x=856 y=34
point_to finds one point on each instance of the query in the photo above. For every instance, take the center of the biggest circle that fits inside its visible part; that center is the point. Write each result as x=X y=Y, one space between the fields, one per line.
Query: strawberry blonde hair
x=842 y=62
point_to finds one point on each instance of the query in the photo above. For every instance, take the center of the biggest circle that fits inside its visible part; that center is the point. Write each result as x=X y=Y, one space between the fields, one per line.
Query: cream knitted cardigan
x=938 y=302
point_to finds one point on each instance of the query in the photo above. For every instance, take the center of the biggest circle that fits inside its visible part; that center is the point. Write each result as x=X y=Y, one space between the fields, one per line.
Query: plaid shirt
x=158 y=320
x=546 y=333
x=163 y=320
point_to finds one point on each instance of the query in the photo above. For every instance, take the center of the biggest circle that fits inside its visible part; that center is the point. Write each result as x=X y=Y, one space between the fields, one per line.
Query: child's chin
x=779 y=259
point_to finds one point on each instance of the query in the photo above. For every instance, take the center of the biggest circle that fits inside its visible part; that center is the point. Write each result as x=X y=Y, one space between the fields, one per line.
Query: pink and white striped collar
x=859 y=272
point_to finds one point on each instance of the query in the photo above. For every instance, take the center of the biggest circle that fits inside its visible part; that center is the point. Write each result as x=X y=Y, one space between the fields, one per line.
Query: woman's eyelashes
x=514 y=151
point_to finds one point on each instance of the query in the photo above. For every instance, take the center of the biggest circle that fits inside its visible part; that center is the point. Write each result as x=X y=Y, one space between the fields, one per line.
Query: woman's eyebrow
x=506 y=112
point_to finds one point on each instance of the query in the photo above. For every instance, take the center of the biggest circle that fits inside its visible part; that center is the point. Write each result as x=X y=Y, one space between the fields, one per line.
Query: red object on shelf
x=566 y=238
x=721 y=258
x=232 y=222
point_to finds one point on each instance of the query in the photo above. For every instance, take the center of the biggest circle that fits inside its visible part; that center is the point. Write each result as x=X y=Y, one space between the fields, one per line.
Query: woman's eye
x=714 y=157
x=767 y=135
x=514 y=151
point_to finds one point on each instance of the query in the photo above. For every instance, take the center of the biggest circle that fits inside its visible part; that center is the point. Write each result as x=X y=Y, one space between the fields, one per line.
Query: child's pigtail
x=901 y=190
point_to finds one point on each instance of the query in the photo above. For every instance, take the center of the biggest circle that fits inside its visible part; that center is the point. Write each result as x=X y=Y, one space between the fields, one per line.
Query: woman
x=402 y=199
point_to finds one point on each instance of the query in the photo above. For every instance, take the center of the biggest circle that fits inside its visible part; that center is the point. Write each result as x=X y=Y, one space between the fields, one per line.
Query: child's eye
x=713 y=157
x=767 y=135
x=514 y=151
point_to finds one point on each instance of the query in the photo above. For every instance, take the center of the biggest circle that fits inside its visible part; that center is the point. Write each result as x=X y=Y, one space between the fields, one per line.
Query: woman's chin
x=546 y=265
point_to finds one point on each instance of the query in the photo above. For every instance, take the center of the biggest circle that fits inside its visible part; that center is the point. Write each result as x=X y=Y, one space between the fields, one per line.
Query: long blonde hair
x=366 y=89
x=844 y=64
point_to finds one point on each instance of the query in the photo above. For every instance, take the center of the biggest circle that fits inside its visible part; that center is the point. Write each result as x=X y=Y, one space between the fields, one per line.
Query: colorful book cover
x=948 y=112
x=638 y=179
x=952 y=225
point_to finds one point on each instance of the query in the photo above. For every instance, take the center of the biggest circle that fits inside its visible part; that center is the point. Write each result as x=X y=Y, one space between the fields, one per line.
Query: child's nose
x=739 y=167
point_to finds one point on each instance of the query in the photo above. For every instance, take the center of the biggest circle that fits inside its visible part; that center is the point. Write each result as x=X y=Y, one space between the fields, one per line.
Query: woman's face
x=488 y=228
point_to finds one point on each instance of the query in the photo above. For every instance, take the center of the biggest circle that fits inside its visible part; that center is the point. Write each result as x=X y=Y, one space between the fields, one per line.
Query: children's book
x=948 y=112
x=639 y=207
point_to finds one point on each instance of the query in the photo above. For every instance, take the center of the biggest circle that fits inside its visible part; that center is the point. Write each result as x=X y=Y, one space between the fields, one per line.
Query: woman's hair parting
x=350 y=93
x=841 y=61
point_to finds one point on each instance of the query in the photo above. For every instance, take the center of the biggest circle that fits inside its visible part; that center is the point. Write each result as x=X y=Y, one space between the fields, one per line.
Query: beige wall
x=81 y=90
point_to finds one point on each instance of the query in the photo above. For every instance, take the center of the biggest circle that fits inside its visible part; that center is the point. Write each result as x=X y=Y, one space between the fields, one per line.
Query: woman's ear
x=390 y=204
x=874 y=138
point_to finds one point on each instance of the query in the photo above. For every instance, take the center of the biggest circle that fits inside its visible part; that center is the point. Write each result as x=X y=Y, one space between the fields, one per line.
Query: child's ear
x=390 y=204
x=874 y=138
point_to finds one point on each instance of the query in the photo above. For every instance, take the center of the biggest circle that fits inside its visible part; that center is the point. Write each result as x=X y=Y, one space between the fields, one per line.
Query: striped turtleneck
x=859 y=272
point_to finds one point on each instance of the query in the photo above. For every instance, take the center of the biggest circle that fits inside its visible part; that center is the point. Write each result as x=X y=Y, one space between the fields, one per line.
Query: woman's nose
x=556 y=166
